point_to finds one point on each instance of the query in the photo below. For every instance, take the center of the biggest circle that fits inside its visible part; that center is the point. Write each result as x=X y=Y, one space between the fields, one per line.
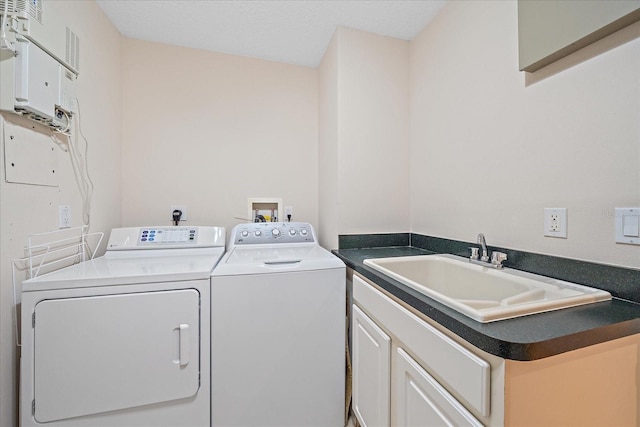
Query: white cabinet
x=421 y=400
x=408 y=373
x=439 y=379
x=371 y=371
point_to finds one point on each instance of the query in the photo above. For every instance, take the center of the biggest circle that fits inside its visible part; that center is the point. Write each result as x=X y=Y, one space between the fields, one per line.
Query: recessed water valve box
x=265 y=210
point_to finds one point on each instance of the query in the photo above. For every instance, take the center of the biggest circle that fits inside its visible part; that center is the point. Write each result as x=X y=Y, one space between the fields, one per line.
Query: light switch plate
x=627 y=226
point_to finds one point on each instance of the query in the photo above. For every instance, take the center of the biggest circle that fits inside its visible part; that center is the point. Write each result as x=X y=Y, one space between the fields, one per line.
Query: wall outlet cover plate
x=555 y=222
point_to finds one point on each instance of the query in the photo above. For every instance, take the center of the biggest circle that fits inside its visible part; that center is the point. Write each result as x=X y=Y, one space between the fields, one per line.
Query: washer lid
x=276 y=258
x=271 y=254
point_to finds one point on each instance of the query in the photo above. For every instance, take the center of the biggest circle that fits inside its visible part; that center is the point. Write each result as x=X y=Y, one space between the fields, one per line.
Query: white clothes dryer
x=278 y=330
x=123 y=339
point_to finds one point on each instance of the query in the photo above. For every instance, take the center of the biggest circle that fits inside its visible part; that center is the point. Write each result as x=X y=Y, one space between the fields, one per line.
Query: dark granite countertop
x=524 y=338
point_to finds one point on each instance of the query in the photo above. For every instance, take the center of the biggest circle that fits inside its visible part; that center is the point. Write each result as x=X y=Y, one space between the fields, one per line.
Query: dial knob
x=244 y=233
x=292 y=232
x=257 y=233
x=275 y=232
x=303 y=232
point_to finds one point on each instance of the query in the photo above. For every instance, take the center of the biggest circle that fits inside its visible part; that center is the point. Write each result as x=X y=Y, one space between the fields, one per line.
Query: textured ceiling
x=294 y=31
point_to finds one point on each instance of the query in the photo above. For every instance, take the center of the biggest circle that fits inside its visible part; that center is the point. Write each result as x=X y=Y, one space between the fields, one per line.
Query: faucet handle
x=474 y=252
x=498 y=258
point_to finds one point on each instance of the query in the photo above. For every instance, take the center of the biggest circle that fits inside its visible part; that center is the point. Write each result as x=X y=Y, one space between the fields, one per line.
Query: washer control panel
x=167 y=236
x=272 y=232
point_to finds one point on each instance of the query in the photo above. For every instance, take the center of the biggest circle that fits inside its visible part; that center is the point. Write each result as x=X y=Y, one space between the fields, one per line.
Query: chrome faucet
x=483 y=243
x=497 y=258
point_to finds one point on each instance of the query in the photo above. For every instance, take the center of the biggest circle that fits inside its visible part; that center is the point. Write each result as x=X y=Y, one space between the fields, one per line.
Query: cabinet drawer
x=463 y=373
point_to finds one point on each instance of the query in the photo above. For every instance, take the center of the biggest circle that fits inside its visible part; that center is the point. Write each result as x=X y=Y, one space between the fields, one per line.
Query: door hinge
x=33 y=407
x=33 y=320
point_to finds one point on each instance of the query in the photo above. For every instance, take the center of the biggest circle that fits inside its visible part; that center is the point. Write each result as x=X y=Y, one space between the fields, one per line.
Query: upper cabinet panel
x=550 y=30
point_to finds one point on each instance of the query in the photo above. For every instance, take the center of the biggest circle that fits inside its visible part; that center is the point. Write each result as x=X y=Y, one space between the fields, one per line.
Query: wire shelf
x=51 y=251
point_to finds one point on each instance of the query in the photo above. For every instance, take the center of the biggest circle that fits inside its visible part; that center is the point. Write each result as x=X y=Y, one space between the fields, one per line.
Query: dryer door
x=104 y=353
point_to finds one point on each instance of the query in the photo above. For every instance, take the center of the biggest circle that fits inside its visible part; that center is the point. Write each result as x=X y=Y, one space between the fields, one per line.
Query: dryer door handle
x=184 y=344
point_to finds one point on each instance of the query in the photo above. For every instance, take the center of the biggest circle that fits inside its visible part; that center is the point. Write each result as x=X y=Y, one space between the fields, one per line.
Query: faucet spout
x=483 y=243
x=497 y=258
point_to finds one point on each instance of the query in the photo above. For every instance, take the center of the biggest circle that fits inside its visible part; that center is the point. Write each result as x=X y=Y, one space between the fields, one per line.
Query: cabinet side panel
x=594 y=386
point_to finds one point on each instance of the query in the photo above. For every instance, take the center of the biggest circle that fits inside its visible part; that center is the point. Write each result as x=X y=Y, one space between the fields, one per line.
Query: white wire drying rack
x=51 y=251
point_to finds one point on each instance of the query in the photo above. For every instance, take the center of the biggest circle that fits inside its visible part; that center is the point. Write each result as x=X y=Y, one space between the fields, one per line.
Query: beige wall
x=328 y=147
x=490 y=149
x=27 y=209
x=364 y=135
x=209 y=130
x=442 y=136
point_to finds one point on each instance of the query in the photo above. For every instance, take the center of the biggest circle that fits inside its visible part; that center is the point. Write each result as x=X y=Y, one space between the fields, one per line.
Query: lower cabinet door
x=371 y=371
x=421 y=401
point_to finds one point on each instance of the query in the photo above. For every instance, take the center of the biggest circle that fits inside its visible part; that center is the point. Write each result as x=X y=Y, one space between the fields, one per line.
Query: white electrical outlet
x=179 y=208
x=288 y=211
x=64 y=216
x=555 y=222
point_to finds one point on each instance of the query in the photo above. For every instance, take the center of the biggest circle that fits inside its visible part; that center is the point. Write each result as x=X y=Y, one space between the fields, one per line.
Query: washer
x=278 y=330
x=123 y=339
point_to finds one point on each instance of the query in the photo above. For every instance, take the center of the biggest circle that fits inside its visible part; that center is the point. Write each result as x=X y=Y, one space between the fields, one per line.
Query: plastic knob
x=275 y=232
x=303 y=232
x=244 y=233
x=257 y=233
x=292 y=232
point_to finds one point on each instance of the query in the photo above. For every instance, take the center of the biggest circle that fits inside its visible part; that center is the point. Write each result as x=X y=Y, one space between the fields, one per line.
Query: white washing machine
x=278 y=330
x=123 y=339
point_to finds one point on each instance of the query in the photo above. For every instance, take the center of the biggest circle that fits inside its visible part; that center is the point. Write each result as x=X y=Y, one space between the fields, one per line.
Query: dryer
x=123 y=339
x=278 y=330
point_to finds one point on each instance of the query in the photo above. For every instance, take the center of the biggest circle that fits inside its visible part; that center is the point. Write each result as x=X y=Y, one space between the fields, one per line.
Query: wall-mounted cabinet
x=550 y=30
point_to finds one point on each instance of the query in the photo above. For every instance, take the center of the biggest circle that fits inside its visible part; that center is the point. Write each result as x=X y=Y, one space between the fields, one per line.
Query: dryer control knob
x=257 y=233
x=244 y=233
x=292 y=232
x=303 y=232
x=275 y=232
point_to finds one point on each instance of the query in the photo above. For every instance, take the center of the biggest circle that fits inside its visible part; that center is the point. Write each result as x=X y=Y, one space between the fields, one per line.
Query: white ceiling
x=291 y=31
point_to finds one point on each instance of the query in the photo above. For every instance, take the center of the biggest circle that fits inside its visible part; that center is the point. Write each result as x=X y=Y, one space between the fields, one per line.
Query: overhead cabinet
x=550 y=30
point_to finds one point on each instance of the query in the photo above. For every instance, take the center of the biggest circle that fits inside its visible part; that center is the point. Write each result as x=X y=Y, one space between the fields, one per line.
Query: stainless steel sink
x=482 y=293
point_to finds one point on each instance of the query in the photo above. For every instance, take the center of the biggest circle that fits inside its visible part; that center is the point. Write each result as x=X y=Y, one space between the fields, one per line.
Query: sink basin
x=482 y=293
